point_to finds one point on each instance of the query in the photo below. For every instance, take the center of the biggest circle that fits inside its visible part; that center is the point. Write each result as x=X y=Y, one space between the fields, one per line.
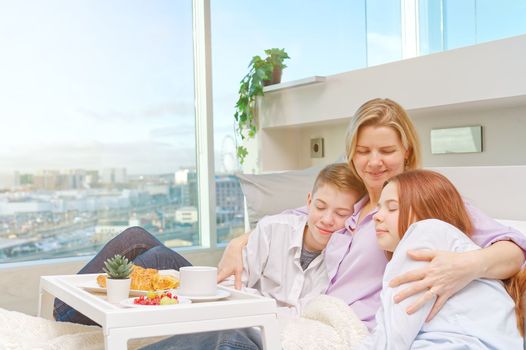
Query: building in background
x=229 y=198
x=186 y=216
x=113 y=176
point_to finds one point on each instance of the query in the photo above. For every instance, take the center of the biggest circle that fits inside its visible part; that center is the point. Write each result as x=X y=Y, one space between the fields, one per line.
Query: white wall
x=504 y=135
x=480 y=84
x=504 y=138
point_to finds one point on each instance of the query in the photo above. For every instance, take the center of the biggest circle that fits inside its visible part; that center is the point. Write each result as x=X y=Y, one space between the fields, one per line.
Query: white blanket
x=19 y=331
x=326 y=323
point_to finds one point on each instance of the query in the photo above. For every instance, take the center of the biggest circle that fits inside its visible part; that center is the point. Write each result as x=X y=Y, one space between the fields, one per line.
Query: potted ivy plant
x=118 y=269
x=262 y=72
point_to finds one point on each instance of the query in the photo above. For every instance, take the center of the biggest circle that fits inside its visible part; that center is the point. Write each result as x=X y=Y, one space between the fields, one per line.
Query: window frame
x=204 y=124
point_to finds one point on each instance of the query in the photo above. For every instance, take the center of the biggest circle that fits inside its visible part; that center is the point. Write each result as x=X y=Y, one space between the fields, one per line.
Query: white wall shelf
x=484 y=74
x=474 y=85
x=294 y=83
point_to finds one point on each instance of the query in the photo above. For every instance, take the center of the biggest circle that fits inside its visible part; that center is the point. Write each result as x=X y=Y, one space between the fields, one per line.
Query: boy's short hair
x=340 y=176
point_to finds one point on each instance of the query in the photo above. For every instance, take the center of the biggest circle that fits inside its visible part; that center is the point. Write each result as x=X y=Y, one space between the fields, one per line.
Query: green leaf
x=241 y=154
x=118 y=267
x=250 y=87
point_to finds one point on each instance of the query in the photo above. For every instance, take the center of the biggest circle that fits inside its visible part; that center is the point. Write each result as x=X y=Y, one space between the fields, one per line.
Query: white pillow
x=268 y=194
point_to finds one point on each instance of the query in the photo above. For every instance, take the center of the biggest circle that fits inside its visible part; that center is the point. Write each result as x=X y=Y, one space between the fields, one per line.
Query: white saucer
x=221 y=294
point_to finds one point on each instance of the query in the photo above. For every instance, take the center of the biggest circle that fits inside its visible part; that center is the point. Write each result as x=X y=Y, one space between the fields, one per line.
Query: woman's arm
x=449 y=272
x=231 y=262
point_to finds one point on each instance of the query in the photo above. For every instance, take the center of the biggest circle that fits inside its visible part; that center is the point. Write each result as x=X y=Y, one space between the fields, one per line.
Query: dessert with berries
x=152 y=298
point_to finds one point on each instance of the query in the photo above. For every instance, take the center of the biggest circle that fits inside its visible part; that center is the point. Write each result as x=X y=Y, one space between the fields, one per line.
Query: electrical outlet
x=316 y=148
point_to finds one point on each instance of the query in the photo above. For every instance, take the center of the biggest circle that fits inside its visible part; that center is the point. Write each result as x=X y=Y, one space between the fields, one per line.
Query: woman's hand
x=445 y=275
x=448 y=272
x=232 y=260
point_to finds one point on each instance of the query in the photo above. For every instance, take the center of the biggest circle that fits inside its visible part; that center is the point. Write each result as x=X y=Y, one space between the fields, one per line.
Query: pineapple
x=118 y=267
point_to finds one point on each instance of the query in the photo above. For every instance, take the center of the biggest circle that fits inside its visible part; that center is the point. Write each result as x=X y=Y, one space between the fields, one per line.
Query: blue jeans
x=240 y=339
x=136 y=244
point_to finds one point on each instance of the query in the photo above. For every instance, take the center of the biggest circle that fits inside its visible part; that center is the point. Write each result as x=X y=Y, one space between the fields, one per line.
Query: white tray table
x=239 y=310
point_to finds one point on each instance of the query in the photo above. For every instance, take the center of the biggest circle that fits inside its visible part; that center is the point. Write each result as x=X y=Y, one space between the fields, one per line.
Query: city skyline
x=57 y=216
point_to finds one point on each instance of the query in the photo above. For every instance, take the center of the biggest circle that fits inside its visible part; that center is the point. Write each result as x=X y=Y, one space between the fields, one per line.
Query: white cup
x=198 y=280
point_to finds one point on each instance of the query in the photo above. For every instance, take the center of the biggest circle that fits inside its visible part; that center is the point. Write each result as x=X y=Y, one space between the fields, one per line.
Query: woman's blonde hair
x=384 y=112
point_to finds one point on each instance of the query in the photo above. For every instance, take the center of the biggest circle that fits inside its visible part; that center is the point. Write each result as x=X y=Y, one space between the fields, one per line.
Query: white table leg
x=45 y=304
x=270 y=333
x=115 y=342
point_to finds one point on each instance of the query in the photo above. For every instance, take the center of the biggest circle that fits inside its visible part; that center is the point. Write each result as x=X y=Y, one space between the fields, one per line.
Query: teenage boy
x=284 y=255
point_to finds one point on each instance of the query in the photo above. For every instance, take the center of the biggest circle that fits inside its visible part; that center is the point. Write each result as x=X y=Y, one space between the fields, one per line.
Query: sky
x=97 y=84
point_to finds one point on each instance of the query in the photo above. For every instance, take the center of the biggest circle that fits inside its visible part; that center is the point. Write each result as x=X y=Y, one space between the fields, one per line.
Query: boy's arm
x=255 y=254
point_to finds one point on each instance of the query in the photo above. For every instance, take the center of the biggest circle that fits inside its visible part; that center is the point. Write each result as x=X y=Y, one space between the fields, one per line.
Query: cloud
x=181 y=109
x=173 y=131
x=382 y=48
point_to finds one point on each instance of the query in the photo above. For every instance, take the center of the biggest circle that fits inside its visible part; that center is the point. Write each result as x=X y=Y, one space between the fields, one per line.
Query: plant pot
x=276 y=76
x=117 y=289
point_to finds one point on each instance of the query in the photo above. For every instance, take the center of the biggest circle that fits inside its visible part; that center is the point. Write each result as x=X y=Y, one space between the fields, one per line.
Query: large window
x=98 y=133
x=449 y=24
x=384 y=43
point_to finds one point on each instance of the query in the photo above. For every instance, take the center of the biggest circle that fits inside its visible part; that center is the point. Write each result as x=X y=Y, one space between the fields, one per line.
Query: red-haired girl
x=422 y=209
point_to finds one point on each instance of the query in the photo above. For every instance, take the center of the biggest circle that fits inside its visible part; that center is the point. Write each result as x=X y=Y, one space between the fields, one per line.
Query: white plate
x=93 y=286
x=129 y=303
x=221 y=294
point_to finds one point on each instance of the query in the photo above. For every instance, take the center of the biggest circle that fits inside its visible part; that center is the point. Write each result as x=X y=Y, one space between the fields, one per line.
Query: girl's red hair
x=516 y=287
x=425 y=194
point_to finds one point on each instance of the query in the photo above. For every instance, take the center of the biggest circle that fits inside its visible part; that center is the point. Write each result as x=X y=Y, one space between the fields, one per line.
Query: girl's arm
x=396 y=328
